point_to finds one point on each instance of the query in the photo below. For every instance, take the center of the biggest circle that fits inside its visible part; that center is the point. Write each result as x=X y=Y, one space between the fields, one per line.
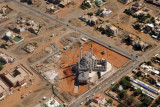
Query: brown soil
x=66 y=79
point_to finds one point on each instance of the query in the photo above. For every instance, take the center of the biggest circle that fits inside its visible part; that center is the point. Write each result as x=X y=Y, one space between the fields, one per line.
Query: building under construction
x=88 y=64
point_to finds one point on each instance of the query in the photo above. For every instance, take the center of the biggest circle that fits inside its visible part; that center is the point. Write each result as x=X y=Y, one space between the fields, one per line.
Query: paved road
x=121 y=74
x=89 y=36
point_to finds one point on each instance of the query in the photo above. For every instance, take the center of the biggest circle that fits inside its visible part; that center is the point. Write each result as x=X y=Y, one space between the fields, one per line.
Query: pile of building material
x=50 y=75
x=69 y=39
x=135 y=42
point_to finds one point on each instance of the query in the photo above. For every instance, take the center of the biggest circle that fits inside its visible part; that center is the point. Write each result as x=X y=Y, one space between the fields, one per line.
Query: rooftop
x=17 y=75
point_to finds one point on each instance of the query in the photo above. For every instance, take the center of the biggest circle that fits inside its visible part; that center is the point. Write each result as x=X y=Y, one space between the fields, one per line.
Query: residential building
x=5 y=58
x=157 y=20
x=137 y=6
x=136 y=42
x=104 y=12
x=64 y=3
x=5 y=10
x=91 y=20
x=3 y=18
x=140 y=13
x=126 y=1
x=109 y=29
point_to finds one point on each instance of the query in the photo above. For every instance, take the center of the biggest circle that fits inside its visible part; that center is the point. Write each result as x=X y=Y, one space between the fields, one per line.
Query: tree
x=1 y=67
x=154 y=105
x=90 y=14
x=152 y=81
x=115 y=88
x=98 y=3
x=149 y=63
x=137 y=92
x=139 y=73
x=120 y=105
x=127 y=78
x=130 y=100
x=98 y=12
x=125 y=83
x=110 y=101
x=3 y=45
x=45 y=105
x=88 y=102
x=147 y=101
x=122 y=94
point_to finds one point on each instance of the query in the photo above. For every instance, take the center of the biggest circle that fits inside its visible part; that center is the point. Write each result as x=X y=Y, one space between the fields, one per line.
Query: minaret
x=80 y=52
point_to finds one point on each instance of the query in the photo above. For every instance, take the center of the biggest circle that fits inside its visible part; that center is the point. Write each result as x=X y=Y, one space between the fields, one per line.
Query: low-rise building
x=109 y=29
x=35 y=29
x=91 y=20
x=30 y=47
x=3 y=89
x=104 y=12
x=18 y=76
x=135 y=42
x=140 y=13
x=3 y=18
x=157 y=20
x=138 y=5
x=52 y=8
x=5 y=58
x=126 y=1
x=64 y=3
x=5 y=10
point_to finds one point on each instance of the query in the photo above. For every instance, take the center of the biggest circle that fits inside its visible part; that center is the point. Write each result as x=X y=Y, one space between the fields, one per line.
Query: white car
x=84 y=39
x=113 y=83
x=81 y=103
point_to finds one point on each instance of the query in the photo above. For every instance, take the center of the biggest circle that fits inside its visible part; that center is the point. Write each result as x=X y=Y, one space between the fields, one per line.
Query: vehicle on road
x=113 y=83
x=81 y=103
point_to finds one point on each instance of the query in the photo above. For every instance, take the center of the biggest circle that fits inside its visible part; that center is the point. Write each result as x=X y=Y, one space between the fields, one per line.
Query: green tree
x=137 y=92
x=139 y=73
x=147 y=101
x=122 y=94
x=149 y=63
x=110 y=101
x=90 y=14
x=115 y=88
x=120 y=105
x=98 y=3
x=88 y=102
x=154 y=105
x=152 y=81
x=1 y=67
x=125 y=83
x=45 y=105
x=3 y=45
x=130 y=100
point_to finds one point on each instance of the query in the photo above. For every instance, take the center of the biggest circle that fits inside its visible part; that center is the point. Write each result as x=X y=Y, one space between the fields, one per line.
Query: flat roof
x=3 y=86
x=19 y=77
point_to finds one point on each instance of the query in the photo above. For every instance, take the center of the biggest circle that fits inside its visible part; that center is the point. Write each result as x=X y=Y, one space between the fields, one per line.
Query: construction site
x=78 y=65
